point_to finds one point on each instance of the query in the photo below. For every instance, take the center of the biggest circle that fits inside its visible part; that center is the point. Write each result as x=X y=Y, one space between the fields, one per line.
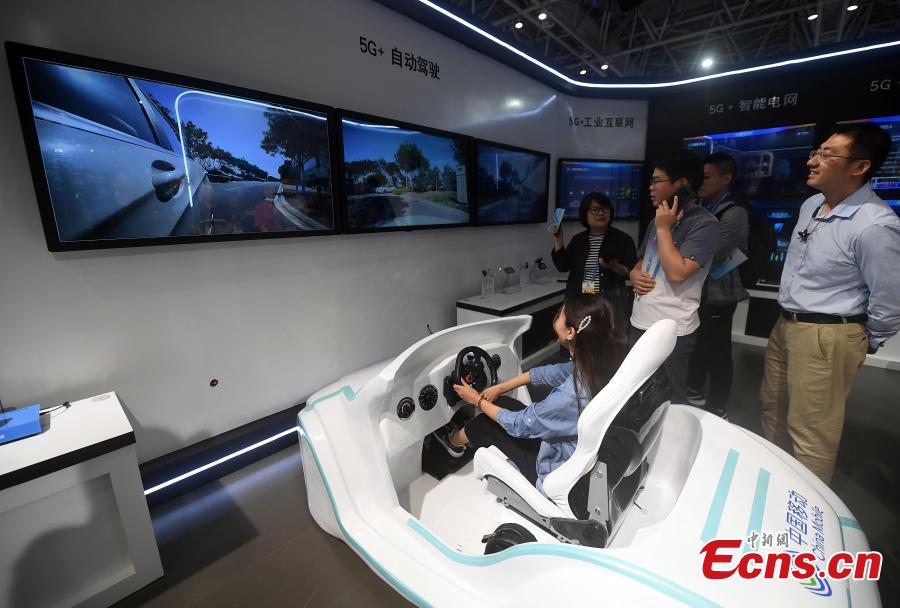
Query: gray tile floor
x=248 y=539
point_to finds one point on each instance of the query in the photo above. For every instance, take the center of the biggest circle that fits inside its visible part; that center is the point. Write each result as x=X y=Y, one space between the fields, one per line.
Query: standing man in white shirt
x=840 y=297
x=674 y=260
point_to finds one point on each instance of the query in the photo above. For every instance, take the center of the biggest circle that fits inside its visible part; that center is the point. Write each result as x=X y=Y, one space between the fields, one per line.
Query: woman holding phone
x=598 y=259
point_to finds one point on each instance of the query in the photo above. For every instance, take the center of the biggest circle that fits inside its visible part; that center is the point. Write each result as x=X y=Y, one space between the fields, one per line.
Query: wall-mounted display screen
x=398 y=176
x=887 y=181
x=511 y=185
x=895 y=205
x=620 y=180
x=770 y=162
x=780 y=219
x=124 y=156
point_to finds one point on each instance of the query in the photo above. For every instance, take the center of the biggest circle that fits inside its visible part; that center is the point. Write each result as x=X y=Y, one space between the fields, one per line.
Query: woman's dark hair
x=599 y=348
x=599 y=198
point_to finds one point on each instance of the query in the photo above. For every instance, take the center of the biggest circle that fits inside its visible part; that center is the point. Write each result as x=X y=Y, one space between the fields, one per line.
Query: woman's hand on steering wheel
x=466 y=392
x=492 y=392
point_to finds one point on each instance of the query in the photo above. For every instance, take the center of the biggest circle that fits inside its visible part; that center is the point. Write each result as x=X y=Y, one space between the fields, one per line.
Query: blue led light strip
x=647 y=85
x=219 y=461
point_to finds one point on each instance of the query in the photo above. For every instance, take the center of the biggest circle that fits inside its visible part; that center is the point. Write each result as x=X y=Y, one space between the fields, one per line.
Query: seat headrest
x=647 y=355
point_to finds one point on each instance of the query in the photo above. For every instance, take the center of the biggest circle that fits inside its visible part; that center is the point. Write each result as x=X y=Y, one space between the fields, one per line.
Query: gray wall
x=272 y=320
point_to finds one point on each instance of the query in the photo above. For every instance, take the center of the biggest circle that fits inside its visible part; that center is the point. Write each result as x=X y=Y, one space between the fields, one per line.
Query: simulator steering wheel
x=476 y=367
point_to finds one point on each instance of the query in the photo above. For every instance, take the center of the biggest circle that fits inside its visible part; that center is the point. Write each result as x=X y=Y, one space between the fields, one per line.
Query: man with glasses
x=722 y=290
x=839 y=295
x=674 y=260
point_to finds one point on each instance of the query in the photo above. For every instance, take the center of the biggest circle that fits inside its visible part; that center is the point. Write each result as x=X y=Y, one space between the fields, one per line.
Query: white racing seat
x=552 y=509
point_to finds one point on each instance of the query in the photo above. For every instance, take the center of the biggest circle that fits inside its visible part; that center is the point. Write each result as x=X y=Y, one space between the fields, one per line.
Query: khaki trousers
x=809 y=371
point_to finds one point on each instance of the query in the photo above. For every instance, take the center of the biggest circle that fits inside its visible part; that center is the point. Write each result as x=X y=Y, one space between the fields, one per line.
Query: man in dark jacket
x=722 y=290
x=599 y=259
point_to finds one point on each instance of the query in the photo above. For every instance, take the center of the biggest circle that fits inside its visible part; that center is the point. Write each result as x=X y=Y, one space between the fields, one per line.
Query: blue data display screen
x=511 y=186
x=770 y=162
x=126 y=158
x=780 y=220
x=397 y=177
x=621 y=181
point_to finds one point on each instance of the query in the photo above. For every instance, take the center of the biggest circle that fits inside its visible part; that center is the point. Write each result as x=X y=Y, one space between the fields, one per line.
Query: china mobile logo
x=722 y=559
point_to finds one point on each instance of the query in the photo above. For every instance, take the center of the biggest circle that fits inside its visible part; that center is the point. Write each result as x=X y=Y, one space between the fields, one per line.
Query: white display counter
x=74 y=525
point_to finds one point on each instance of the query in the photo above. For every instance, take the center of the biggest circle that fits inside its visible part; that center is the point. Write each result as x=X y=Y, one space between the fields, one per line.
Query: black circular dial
x=428 y=397
x=405 y=408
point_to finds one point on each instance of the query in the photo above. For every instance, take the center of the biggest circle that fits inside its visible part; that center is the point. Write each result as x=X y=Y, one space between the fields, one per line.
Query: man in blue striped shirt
x=840 y=297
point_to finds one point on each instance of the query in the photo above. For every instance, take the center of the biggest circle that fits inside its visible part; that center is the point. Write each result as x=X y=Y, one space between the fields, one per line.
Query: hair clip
x=584 y=323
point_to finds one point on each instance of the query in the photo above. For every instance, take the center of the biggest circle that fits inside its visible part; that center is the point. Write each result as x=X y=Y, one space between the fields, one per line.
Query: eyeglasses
x=825 y=156
x=655 y=181
x=599 y=210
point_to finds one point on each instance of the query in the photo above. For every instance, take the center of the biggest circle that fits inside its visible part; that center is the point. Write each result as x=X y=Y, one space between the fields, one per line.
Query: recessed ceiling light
x=583 y=71
x=813 y=17
x=707 y=63
x=852 y=7
x=542 y=16
x=604 y=67
x=519 y=25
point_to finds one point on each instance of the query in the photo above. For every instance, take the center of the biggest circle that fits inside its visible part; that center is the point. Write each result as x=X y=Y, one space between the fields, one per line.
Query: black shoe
x=696 y=398
x=442 y=436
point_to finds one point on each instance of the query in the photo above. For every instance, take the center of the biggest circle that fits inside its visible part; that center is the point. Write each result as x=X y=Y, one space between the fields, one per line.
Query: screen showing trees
x=396 y=177
x=511 y=185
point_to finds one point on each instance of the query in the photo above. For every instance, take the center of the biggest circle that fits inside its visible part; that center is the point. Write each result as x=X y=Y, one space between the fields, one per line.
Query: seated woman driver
x=540 y=437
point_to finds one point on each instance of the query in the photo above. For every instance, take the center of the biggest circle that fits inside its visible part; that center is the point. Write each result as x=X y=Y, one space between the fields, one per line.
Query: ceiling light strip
x=648 y=85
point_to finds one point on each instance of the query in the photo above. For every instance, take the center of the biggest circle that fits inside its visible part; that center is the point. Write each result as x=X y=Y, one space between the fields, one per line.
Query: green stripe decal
x=714 y=517
x=373 y=563
x=849 y=522
x=593 y=557
x=759 y=506
x=346 y=391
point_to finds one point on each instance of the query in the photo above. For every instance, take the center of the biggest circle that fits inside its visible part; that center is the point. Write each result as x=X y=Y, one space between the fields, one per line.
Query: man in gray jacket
x=712 y=356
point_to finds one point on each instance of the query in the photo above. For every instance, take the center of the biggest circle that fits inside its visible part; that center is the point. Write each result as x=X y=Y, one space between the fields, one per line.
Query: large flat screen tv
x=770 y=162
x=511 y=184
x=125 y=156
x=886 y=182
x=398 y=176
x=620 y=180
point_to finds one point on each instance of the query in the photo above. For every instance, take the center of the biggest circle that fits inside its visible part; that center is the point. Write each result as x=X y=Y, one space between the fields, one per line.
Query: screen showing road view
x=620 y=181
x=771 y=162
x=887 y=181
x=511 y=186
x=126 y=158
x=397 y=177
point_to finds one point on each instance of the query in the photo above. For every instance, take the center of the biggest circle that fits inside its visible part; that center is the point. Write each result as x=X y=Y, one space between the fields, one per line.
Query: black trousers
x=712 y=357
x=677 y=363
x=484 y=432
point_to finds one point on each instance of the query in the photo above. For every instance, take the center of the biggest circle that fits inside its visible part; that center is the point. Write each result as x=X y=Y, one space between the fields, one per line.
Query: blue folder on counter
x=16 y=424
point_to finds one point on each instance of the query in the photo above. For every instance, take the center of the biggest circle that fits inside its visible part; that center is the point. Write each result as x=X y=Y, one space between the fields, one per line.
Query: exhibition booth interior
x=259 y=250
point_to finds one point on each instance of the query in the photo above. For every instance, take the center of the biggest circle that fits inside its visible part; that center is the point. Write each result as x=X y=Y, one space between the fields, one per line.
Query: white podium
x=74 y=525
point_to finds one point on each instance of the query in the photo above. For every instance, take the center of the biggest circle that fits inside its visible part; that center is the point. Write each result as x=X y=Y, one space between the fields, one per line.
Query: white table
x=888 y=356
x=74 y=525
x=540 y=298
